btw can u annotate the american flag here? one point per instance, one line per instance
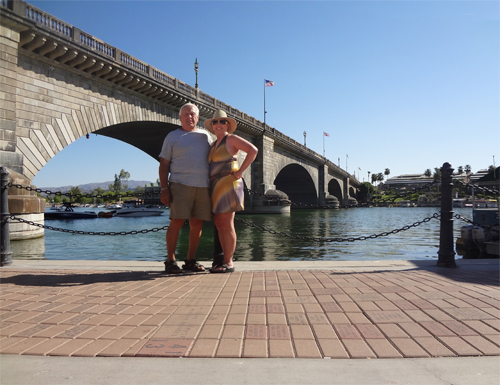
(269, 83)
(326, 134)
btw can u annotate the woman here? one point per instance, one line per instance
(226, 185)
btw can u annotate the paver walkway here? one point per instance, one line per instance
(301, 314)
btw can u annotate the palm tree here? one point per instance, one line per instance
(428, 173)
(468, 169)
(387, 172)
(460, 170)
(369, 172)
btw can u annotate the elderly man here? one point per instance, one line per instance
(184, 156)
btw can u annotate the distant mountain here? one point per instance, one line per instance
(88, 187)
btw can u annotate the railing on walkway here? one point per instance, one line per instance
(446, 253)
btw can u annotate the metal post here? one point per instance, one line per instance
(5, 252)
(446, 253)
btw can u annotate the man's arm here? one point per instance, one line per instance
(164, 170)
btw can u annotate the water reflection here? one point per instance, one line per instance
(254, 244)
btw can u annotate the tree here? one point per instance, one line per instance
(98, 191)
(369, 172)
(491, 168)
(118, 187)
(460, 170)
(468, 169)
(437, 173)
(387, 172)
(428, 173)
(75, 191)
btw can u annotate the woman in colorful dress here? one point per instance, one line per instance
(226, 185)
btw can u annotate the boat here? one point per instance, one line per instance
(139, 211)
(68, 212)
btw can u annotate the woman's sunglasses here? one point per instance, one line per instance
(221, 121)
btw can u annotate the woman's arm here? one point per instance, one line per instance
(234, 144)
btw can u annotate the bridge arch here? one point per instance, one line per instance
(295, 181)
(335, 189)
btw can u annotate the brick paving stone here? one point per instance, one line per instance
(409, 348)
(434, 347)
(45, 347)
(256, 319)
(438, 315)
(338, 318)
(177, 332)
(324, 331)
(414, 330)
(236, 319)
(276, 319)
(256, 332)
(140, 332)
(14, 329)
(294, 308)
(383, 349)
(389, 316)
(23, 345)
(297, 319)
(281, 349)
(93, 348)
(367, 305)
(279, 332)
(96, 332)
(229, 348)
(97, 319)
(312, 308)
(332, 348)
(74, 331)
(358, 349)
(459, 328)
(464, 314)
(369, 331)
(307, 349)
(436, 329)
(494, 323)
(204, 348)
(233, 332)
(118, 348)
(32, 331)
(9, 341)
(483, 345)
(175, 347)
(331, 307)
(481, 327)
(459, 346)
(255, 349)
(347, 331)
(69, 347)
(357, 318)
(215, 319)
(301, 332)
(385, 305)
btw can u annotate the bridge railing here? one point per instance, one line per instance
(68, 32)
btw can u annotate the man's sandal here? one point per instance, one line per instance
(221, 269)
(171, 267)
(193, 266)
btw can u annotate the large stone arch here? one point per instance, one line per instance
(335, 189)
(295, 181)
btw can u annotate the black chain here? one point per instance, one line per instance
(133, 232)
(352, 239)
(475, 186)
(487, 227)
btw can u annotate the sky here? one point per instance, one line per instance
(398, 85)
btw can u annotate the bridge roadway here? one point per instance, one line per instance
(62, 84)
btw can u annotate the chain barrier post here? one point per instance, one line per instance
(446, 253)
(5, 252)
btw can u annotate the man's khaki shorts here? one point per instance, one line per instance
(190, 202)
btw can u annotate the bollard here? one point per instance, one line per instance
(5, 252)
(446, 253)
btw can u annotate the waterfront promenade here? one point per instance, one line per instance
(109, 322)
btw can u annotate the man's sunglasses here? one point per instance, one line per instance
(221, 121)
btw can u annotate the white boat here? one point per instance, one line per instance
(139, 212)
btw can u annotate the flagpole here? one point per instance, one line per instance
(264, 104)
(323, 145)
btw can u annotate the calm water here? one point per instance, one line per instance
(421, 242)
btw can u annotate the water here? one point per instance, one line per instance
(421, 242)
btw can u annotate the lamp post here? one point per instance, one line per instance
(305, 134)
(196, 71)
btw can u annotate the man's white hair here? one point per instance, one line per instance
(190, 105)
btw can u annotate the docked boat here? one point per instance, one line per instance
(68, 212)
(139, 211)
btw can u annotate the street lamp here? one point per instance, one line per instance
(305, 134)
(196, 70)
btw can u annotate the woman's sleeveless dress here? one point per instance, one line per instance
(226, 191)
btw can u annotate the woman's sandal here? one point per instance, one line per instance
(193, 266)
(171, 267)
(225, 269)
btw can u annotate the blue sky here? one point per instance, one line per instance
(403, 85)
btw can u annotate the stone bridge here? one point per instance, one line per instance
(60, 84)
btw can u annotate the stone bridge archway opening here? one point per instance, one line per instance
(335, 189)
(296, 182)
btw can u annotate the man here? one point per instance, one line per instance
(184, 156)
